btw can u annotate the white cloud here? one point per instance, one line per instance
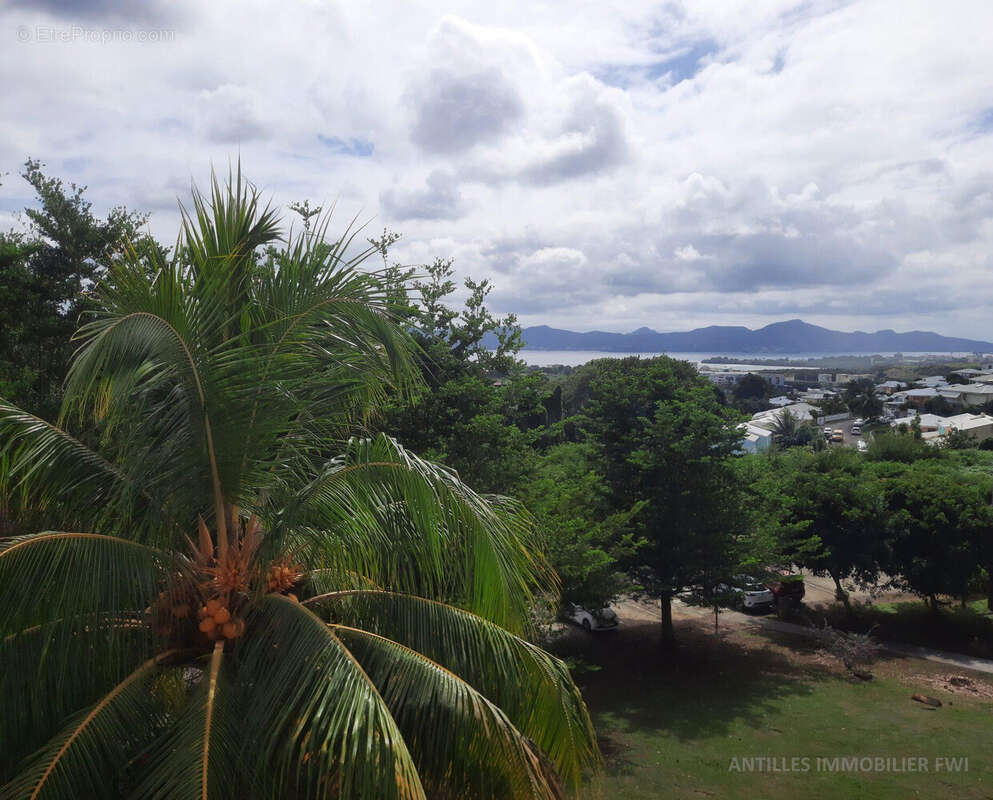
(670, 165)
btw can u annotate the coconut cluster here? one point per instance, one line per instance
(280, 577)
(217, 622)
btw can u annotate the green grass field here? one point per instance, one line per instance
(671, 727)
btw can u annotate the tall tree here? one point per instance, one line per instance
(44, 273)
(663, 442)
(240, 598)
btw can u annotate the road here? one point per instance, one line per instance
(845, 425)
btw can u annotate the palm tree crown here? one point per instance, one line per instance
(236, 595)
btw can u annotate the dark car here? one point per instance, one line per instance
(787, 589)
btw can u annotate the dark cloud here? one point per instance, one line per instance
(454, 110)
(228, 115)
(594, 142)
(439, 199)
(95, 10)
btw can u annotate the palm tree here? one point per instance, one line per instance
(236, 595)
(786, 428)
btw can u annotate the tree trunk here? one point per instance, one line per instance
(668, 634)
(840, 593)
(989, 596)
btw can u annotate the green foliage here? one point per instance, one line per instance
(663, 442)
(208, 431)
(585, 539)
(903, 446)
(44, 275)
(463, 415)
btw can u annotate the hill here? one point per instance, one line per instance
(793, 336)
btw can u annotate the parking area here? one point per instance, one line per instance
(845, 426)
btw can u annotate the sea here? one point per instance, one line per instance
(574, 358)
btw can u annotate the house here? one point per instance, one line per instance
(815, 395)
(968, 395)
(804, 412)
(933, 381)
(928, 422)
(888, 387)
(779, 402)
(916, 397)
(848, 377)
(933, 427)
(978, 426)
(986, 377)
(726, 379)
(825, 378)
(755, 439)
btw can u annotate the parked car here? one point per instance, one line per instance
(787, 589)
(601, 619)
(745, 592)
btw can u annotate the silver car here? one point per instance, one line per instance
(601, 619)
(745, 592)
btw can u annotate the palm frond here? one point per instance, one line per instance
(85, 759)
(55, 476)
(462, 743)
(197, 757)
(54, 669)
(413, 526)
(312, 716)
(59, 575)
(534, 689)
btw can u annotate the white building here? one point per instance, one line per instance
(804, 412)
(756, 439)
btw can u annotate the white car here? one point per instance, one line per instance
(745, 592)
(600, 620)
(862, 445)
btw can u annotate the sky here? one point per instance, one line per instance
(606, 165)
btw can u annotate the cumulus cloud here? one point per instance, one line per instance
(454, 111)
(670, 165)
(439, 199)
(230, 114)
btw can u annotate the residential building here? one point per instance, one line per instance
(968, 395)
(755, 439)
(804, 412)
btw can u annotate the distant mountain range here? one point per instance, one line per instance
(794, 336)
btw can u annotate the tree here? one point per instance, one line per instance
(463, 415)
(938, 405)
(861, 398)
(43, 277)
(938, 522)
(663, 442)
(835, 522)
(789, 431)
(268, 606)
(585, 540)
(753, 386)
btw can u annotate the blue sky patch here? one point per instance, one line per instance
(346, 147)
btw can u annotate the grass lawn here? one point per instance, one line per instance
(670, 727)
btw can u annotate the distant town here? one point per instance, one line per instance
(932, 395)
